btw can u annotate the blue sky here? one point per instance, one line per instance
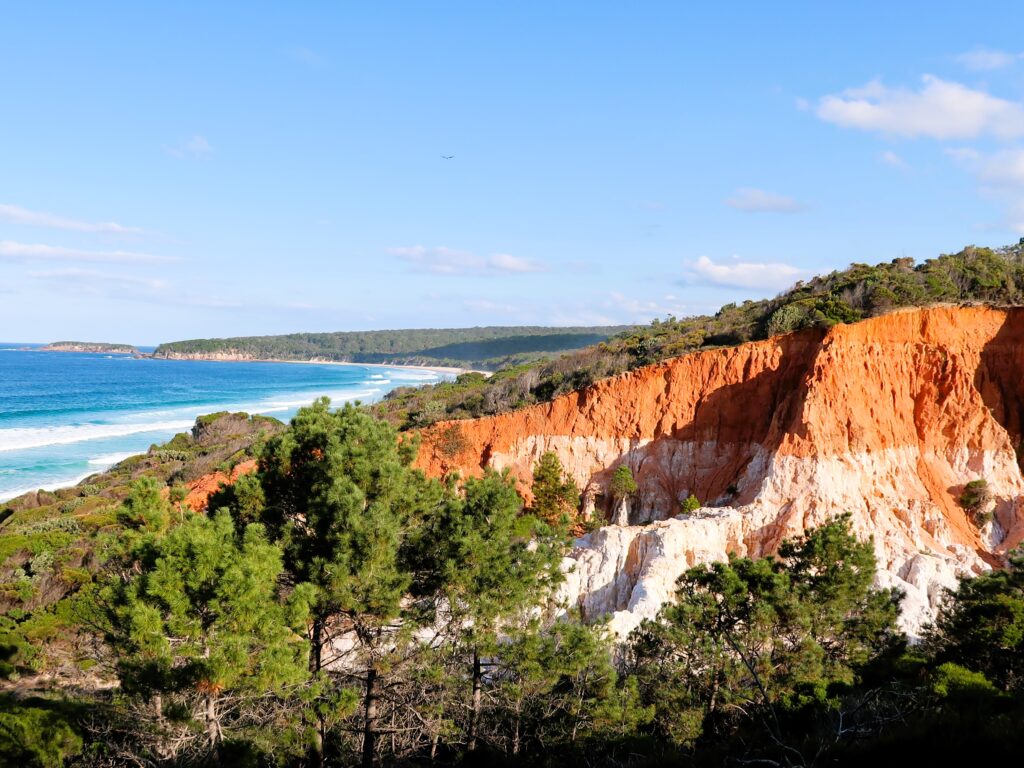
(252, 168)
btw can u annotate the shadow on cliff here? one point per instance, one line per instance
(711, 455)
(731, 427)
(1000, 378)
(1000, 381)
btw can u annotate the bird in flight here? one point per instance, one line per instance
(447, 157)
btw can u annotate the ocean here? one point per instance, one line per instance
(66, 415)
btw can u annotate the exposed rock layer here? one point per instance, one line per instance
(886, 419)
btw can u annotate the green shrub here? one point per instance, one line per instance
(690, 504)
(622, 483)
(37, 733)
(974, 498)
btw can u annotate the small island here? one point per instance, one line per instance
(90, 346)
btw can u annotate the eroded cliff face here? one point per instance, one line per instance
(886, 419)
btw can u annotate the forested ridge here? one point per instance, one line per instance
(970, 276)
(483, 347)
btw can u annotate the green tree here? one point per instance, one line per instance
(556, 498)
(495, 563)
(750, 642)
(343, 499)
(202, 620)
(622, 485)
(556, 687)
(146, 508)
(981, 626)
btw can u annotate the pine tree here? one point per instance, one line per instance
(342, 497)
(749, 641)
(495, 562)
(981, 626)
(556, 498)
(202, 621)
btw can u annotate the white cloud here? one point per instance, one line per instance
(645, 309)
(21, 215)
(441, 260)
(939, 110)
(890, 158)
(743, 274)
(195, 147)
(1004, 169)
(985, 59)
(759, 201)
(1000, 176)
(98, 282)
(487, 307)
(506, 262)
(14, 251)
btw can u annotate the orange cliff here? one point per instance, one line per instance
(199, 491)
(886, 419)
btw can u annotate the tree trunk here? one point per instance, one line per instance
(370, 718)
(515, 733)
(474, 713)
(315, 659)
(213, 733)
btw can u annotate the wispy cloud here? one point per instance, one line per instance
(92, 281)
(1000, 176)
(633, 309)
(986, 59)
(486, 307)
(196, 147)
(741, 274)
(27, 252)
(893, 160)
(753, 200)
(20, 215)
(940, 109)
(441, 260)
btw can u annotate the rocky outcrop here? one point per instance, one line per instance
(90, 346)
(886, 419)
(197, 497)
(225, 356)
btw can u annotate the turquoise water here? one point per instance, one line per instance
(64, 415)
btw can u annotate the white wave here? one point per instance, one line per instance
(13, 493)
(414, 376)
(276, 406)
(23, 438)
(110, 459)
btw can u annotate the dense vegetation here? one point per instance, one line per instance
(974, 275)
(51, 543)
(338, 607)
(488, 348)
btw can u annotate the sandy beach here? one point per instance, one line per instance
(436, 368)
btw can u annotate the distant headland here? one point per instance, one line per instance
(90, 346)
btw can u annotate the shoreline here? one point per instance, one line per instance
(401, 366)
(442, 373)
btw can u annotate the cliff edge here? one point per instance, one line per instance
(887, 419)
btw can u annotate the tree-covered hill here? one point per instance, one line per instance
(484, 347)
(970, 276)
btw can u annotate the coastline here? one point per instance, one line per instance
(429, 375)
(401, 366)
